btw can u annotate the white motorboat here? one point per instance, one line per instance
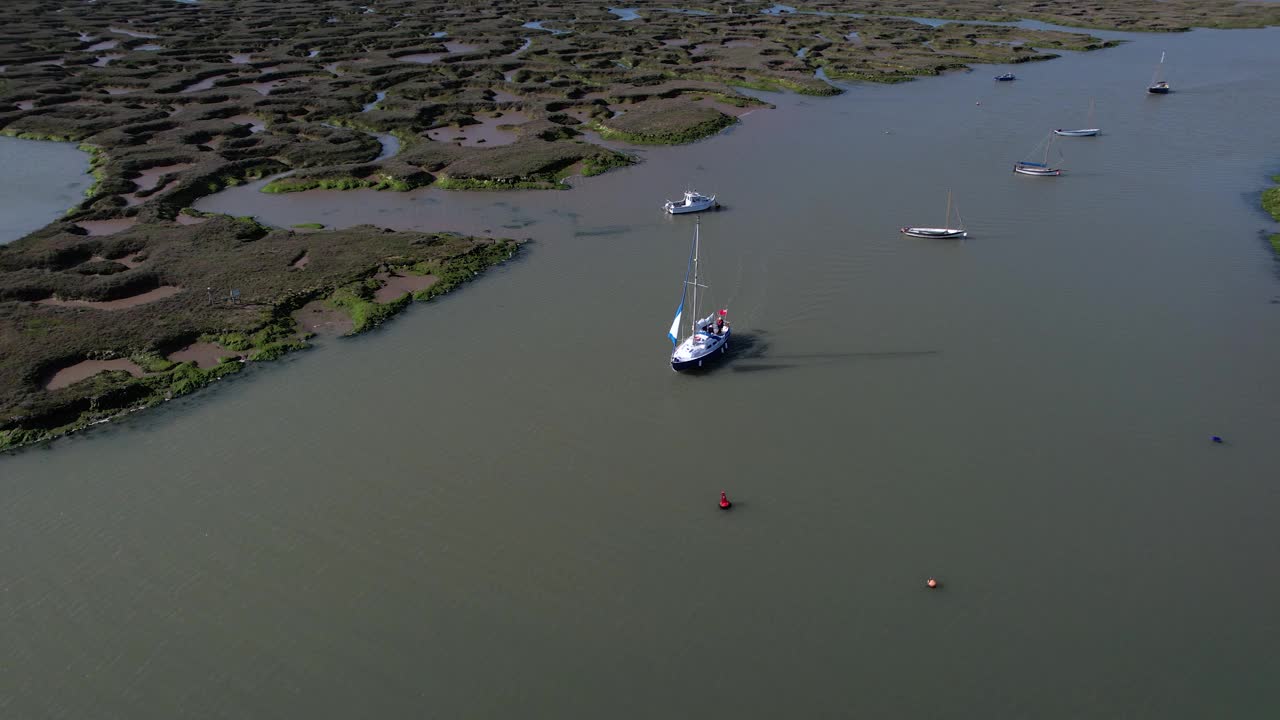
(945, 232)
(708, 336)
(691, 203)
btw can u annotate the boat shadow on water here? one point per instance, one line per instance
(750, 353)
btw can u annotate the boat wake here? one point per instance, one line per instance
(752, 355)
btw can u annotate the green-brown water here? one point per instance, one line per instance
(503, 504)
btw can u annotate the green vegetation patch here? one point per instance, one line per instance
(376, 181)
(667, 122)
(207, 261)
(110, 394)
(528, 164)
(396, 176)
(1271, 200)
(1271, 203)
(356, 299)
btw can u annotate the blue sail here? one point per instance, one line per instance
(674, 333)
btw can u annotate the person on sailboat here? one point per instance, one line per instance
(720, 322)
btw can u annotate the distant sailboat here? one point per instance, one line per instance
(1158, 86)
(1038, 169)
(945, 232)
(708, 336)
(1084, 132)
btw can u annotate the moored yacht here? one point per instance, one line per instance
(1041, 168)
(1158, 86)
(691, 203)
(708, 336)
(1036, 169)
(1087, 131)
(946, 232)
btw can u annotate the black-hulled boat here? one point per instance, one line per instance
(1158, 86)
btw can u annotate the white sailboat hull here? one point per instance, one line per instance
(1036, 171)
(1086, 132)
(923, 232)
(698, 349)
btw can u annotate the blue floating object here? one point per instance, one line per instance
(1217, 439)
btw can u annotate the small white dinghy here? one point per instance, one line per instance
(693, 202)
(1083, 132)
(708, 336)
(944, 232)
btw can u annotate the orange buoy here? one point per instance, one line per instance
(724, 501)
(932, 584)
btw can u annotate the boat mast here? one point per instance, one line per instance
(946, 222)
(1156, 78)
(694, 325)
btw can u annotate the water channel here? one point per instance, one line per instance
(502, 504)
(41, 182)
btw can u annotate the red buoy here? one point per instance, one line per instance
(932, 584)
(724, 501)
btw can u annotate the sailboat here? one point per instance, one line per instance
(1158, 86)
(1038, 169)
(946, 231)
(708, 336)
(1084, 132)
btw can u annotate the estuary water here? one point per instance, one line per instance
(41, 181)
(503, 504)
